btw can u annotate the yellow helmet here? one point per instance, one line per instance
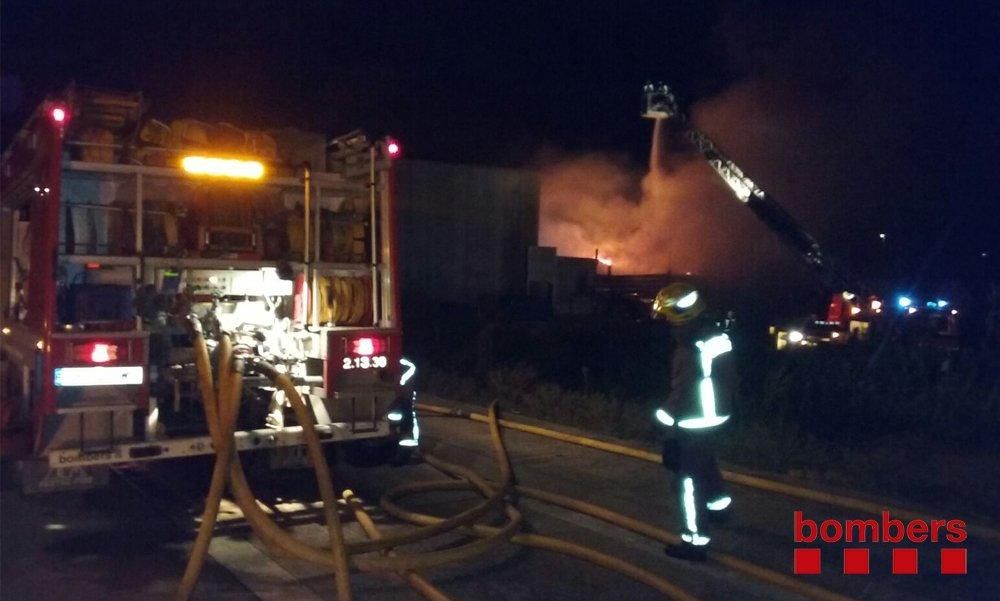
(678, 302)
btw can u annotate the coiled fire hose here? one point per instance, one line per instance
(471, 480)
(772, 577)
(415, 580)
(221, 408)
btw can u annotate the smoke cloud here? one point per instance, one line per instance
(857, 126)
(676, 216)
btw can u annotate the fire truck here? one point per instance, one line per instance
(116, 227)
(847, 312)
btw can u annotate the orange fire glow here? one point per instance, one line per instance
(678, 217)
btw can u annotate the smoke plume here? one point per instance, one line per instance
(857, 126)
(676, 216)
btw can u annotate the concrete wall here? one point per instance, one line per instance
(465, 230)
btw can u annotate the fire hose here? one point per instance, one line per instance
(221, 405)
(734, 563)
(748, 480)
(415, 580)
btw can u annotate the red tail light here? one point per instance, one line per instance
(58, 114)
(96, 352)
(393, 148)
(366, 347)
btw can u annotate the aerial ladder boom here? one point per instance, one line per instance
(660, 103)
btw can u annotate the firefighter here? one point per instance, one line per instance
(700, 387)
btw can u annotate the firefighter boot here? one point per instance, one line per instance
(687, 551)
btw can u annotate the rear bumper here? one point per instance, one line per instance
(248, 440)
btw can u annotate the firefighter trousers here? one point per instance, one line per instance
(697, 481)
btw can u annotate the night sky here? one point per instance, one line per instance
(874, 116)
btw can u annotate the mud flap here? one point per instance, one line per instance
(36, 476)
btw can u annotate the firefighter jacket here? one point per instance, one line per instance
(702, 384)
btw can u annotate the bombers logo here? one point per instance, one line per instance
(905, 560)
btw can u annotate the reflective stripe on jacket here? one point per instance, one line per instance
(701, 386)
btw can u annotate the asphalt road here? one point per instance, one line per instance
(130, 541)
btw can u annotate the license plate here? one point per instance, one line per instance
(99, 376)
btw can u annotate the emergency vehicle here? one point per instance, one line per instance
(847, 313)
(114, 227)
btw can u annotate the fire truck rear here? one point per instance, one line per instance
(115, 227)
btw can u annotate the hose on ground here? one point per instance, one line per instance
(758, 572)
(415, 580)
(221, 408)
(275, 537)
(748, 480)
(663, 536)
(471, 480)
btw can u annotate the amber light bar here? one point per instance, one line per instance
(216, 167)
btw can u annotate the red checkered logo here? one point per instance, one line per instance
(857, 560)
(807, 561)
(905, 561)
